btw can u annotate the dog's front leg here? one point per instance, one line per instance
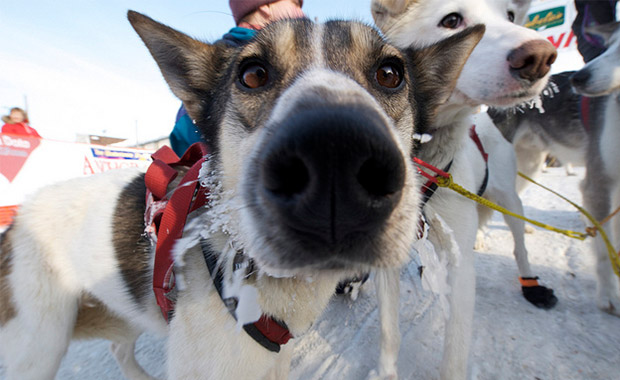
(456, 239)
(282, 366)
(204, 342)
(387, 283)
(597, 199)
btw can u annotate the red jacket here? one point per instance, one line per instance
(20, 129)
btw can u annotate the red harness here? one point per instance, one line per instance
(165, 218)
(430, 186)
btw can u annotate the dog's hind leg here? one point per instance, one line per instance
(597, 200)
(456, 244)
(34, 342)
(387, 284)
(95, 320)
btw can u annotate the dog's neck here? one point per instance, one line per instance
(453, 115)
(448, 132)
(297, 301)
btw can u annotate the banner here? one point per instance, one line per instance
(553, 19)
(29, 163)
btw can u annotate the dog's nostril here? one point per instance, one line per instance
(532, 60)
(552, 58)
(286, 176)
(379, 179)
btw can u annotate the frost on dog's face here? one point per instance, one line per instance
(310, 128)
(498, 72)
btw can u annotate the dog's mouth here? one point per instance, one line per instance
(514, 98)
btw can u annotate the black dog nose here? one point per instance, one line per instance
(331, 173)
(580, 78)
(532, 60)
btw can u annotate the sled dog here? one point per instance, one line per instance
(509, 66)
(579, 127)
(308, 179)
(601, 186)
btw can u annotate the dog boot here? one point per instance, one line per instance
(538, 295)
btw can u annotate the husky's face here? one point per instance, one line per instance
(310, 128)
(511, 63)
(601, 76)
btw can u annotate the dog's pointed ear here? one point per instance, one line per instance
(437, 68)
(188, 66)
(604, 31)
(381, 10)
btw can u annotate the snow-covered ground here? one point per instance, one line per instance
(511, 339)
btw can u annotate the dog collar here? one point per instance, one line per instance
(267, 331)
(165, 219)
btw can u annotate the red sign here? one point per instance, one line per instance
(14, 151)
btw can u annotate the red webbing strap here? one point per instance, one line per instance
(188, 196)
(158, 177)
(474, 136)
(430, 177)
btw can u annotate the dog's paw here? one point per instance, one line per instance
(529, 229)
(374, 375)
(540, 296)
(609, 305)
(481, 243)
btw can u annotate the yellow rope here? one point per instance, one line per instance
(614, 258)
(447, 182)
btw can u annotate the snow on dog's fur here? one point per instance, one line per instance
(310, 133)
(509, 66)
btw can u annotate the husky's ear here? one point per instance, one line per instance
(383, 10)
(604, 31)
(190, 67)
(437, 68)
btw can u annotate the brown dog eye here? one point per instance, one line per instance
(254, 76)
(452, 21)
(388, 75)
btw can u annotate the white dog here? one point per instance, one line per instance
(509, 66)
(309, 179)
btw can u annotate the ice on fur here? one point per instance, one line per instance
(309, 129)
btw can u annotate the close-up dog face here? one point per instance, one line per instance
(511, 63)
(601, 76)
(310, 130)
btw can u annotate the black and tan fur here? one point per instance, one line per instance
(95, 266)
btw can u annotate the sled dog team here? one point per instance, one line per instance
(305, 179)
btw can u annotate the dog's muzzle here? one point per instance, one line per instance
(331, 176)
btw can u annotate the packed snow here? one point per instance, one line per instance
(511, 339)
